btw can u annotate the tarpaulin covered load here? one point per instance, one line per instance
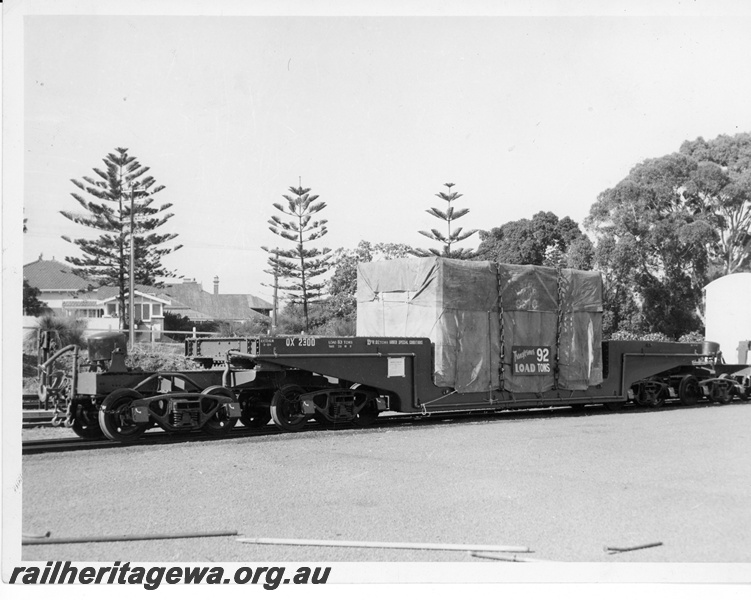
(550, 318)
(452, 302)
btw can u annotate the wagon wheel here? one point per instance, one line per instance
(367, 415)
(115, 417)
(286, 409)
(744, 389)
(254, 415)
(86, 424)
(324, 421)
(220, 423)
(651, 394)
(722, 391)
(689, 390)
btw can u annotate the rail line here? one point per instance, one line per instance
(159, 438)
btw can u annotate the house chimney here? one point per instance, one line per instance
(216, 284)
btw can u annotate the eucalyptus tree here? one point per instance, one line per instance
(719, 188)
(542, 240)
(668, 228)
(652, 248)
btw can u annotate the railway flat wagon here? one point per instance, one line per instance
(433, 335)
(445, 335)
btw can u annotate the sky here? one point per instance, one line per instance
(373, 113)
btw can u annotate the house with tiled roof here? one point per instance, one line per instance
(69, 295)
(150, 304)
(189, 299)
(56, 282)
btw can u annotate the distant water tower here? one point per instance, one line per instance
(728, 314)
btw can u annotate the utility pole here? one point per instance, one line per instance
(131, 294)
(276, 292)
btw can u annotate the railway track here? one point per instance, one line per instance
(162, 438)
(158, 437)
(37, 418)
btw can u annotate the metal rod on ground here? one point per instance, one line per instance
(125, 538)
(36, 535)
(505, 558)
(399, 545)
(614, 550)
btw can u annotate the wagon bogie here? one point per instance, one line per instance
(691, 384)
(338, 406)
(214, 410)
(719, 390)
(651, 393)
(125, 414)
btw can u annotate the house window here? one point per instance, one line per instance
(142, 312)
(111, 310)
(156, 310)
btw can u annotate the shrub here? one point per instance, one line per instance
(338, 326)
(257, 326)
(69, 331)
(632, 336)
(694, 336)
(158, 358)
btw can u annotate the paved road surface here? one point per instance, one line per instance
(564, 485)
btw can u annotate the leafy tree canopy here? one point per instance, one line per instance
(719, 188)
(542, 240)
(670, 226)
(177, 322)
(32, 305)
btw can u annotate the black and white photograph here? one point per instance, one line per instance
(353, 297)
